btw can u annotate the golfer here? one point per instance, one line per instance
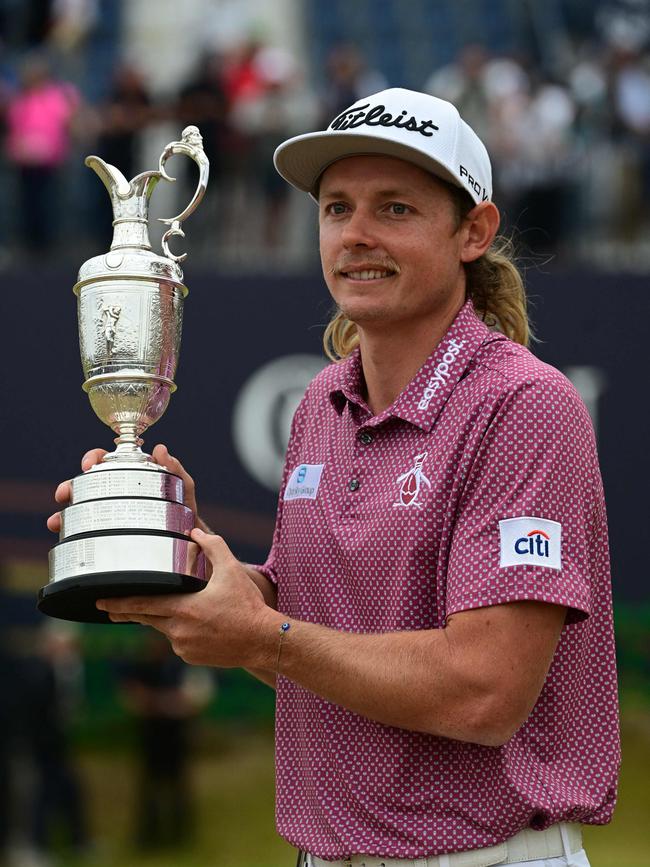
(435, 611)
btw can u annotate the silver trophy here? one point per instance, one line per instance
(126, 529)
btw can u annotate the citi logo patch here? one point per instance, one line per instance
(304, 482)
(531, 541)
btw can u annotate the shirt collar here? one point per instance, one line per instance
(423, 398)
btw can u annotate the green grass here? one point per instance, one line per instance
(233, 784)
(625, 842)
(233, 794)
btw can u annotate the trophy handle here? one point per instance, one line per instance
(191, 144)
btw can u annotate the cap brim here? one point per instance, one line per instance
(303, 159)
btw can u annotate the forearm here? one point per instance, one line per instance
(412, 680)
(477, 679)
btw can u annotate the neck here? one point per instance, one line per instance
(392, 356)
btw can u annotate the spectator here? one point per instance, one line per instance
(125, 114)
(536, 161)
(528, 124)
(464, 84)
(630, 95)
(203, 102)
(56, 695)
(348, 79)
(164, 696)
(43, 796)
(280, 107)
(39, 118)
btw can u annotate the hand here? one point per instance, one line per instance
(160, 456)
(64, 490)
(228, 624)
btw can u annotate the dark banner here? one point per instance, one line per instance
(250, 345)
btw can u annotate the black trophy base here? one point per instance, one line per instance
(75, 598)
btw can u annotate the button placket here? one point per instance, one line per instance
(365, 444)
(363, 439)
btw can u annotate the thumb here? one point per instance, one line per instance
(215, 549)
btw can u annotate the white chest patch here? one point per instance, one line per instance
(531, 541)
(303, 482)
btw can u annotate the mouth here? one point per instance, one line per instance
(367, 274)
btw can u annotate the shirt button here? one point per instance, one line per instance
(353, 484)
(366, 437)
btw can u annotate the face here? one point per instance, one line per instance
(390, 243)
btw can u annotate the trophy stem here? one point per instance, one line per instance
(128, 449)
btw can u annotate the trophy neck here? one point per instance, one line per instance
(130, 224)
(129, 233)
(128, 449)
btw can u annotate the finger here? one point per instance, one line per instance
(141, 606)
(54, 522)
(91, 458)
(214, 548)
(162, 456)
(158, 623)
(63, 492)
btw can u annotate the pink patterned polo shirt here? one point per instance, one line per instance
(478, 486)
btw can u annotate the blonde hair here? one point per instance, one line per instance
(493, 283)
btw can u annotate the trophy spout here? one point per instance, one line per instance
(130, 203)
(111, 177)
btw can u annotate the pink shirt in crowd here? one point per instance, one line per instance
(38, 123)
(478, 486)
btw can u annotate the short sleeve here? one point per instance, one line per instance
(525, 521)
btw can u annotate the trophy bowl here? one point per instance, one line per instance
(126, 530)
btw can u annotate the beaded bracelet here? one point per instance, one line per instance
(286, 626)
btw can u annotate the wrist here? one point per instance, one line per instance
(267, 640)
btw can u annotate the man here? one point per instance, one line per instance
(435, 610)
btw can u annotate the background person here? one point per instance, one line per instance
(39, 118)
(165, 697)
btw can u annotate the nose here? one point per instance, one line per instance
(358, 231)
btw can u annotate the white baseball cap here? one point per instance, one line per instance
(406, 124)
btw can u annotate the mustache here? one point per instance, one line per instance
(383, 264)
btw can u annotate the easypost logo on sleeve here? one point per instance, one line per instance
(531, 541)
(303, 482)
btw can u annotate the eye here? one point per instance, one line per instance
(398, 208)
(336, 208)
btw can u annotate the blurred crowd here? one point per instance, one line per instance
(570, 146)
(46, 812)
(571, 151)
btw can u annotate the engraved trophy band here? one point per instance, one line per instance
(126, 530)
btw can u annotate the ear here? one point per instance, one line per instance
(478, 229)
